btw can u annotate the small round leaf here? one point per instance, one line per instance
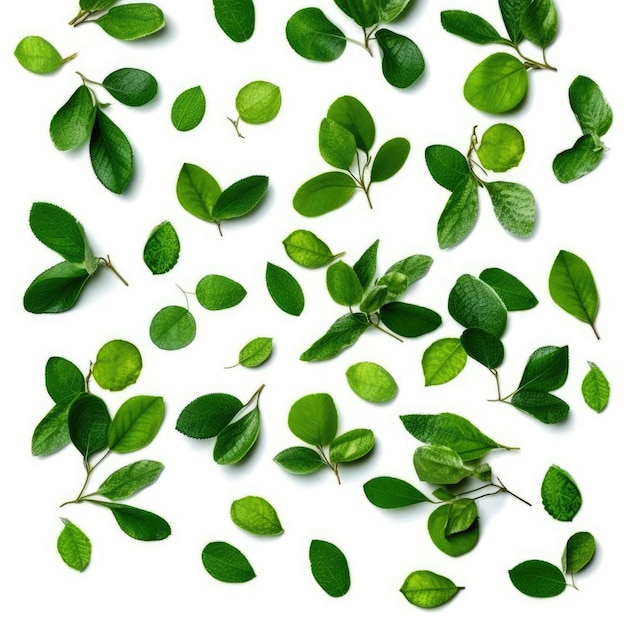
(118, 365)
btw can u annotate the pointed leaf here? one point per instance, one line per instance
(241, 197)
(216, 292)
(336, 144)
(537, 578)
(74, 546)
(512, 11)
(581, 159)
(542, 405)
(443, 361)
(579, 551)
(365, 267)
(284, 289)
(118, 365)
(52, 433)
(307, 250)
(188, 109)
(299, 460)
(161, 252)
(172, 328)
(71, 125)
(459, 214)
(540, 22)
(313, 419)
(402, 61)
(514, 206)
(513, 293)
(390, 159)
(350, 113)
(226, 563)
(391, 492)
(88, 422)
(236, 18)
(455, 544)
(56, 289)
(256, 515)
(132, 87)
(343, 284)
(483, 347)
(593, 113)
(255, 352)
(235, 441)
(312, 35)
(64, 381)
(437, 464)
(409, 320)
(132, 21)
(329, 567)
(323, 194)
(596, 389)
(469, 26)
(426, 589)
(351, 446)
(461, 516)
(342, 334)
(197, 191)
(371, 382)
(559, 494)
(413, 267)
(136, 423)
(546, 369)
(208, 415)
(137, 523)
(130, 479)
(447, 166)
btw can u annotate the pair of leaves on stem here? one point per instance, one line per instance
(594, 116)
(58, 288)
(314, 420)
(200, 194)
(126, 22)
(39, 55)
(377, 300)
(224, 417)
(542, 579)
(313, 36)
(346, 138)
(501, 148)
(500, 82)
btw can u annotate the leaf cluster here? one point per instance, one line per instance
(126, 22)
(499, 83)
(346, 138)
(313, 36)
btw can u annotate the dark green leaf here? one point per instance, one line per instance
(241, 197)
(483, 347)
(365, 267)
(52, 433)
(342, 334)
(312, 35)
(118, 365)
(336, 144)
(299, 460)
(226, 563)
(579, 551)
(402, 61)
(390, 159)
(130, 479)
(284, 289)
(74, 546)
(313, 419)
(539, 23)
(197, 191)
(235, 441)
(542, 405)
(391, 492)
(216, 292)
(88, 421)
(38, 55)
(371, 382)
(581, 159)
(64, 381)
(501, 148)
(389, 10)
(363, 12)
(133, 87)
(443, 494)
(512, 11)
(137, 523)
(537, 578)
(343, 284)
(136, 423)
(443, 360)
(513, 293)
(255, 352)
(447, 166)
(161, 252)
(470, 26)
(96, 5)
(426, 589)
(307, 250)
(172, 328)
(409, 320)
(323, 193)
(236, 18)
(559, 494)
(351, 446)
(456, 544)
(208, 415)
(593, 113)
(132, 21)
(349, 112)
(514, 206)
(546, 369)
(437, 464)
(459, 214)
(188, 109)
(596, 389)
(258, 102)
(256, 515)
(71, 125)
(329, 567)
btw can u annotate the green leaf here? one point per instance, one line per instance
(374, 299)
(132, 87)
(483, 347)
(336, 144)
(188, 109)
(559, 494)
(130, 479)
(351, 446)
(470, 26)
(459, 214)
(497, 84)
(426, 589)
(71, 125)
(216, 292)
(235, 441)
(596, 389)
(172, 328)
(514, 206)
(64, 381)
(88, 422)
(96, 5)
(365, 267)
(162, 250)
(581, 159)
(542, 405)
(389, 10)
(474, 304)
(118, 365)
(350, 113)
(501, 148)
(456, 544)
(343, 284)
(342, 334)
(208, 415)
(537, 578)
(443, 494)
(329, 567)
(390, 493)
(241, 197)
(461, 516)
(74, 546)
(197, 191)
(307, 250)
(226, 563)
(573, 288)
(284, 289)
(236, 18)
(363, 12)
(512, 11)
(323, 193)
(313, 419)
(409, 320)
(136, 423)
(390, 159)
(539, 23)
(52, 433)
(137, 523)
(395, 283)
(62, 233)
(111, 154)
(579, 551)
(312, 35)
(453, 431)
(546, 369)
(56, 289)
(38, 55)
(258, 102)
(443, 361)
(299, 460)
(402, 61)
(371, 382)
(513, 293)
(255, 352)
(593, 113)
(437, 464)
(447, 166)
(132, 21)
(256, 515)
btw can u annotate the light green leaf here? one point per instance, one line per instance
(573, 288)
(236, 18)
(236, 440)
(255, 352)
(542, 405)
(579, 551)
(130, 479)
(336, 144)
(514, 206)
(313, 419)
(461, 516)
(132, 87)
(241, 197)
(88, 422)
(118, 365)
(71, 125)
(38, 55)
(299, 460)
(459, 214)
(483, 347)
(497, 84)
(437, 464)
(470, 26)
(258, 102)
(581, 159)
(188, 109)
(390, 492)
(350, 113)
(426, 589)
(226, 563)
(343, 284)
(537, 578)
(371, 382)
(402, 61)
(208, 415)
(365, 267)
(342, 334)
(312, 35)
(501, 148)
(447, 166)
(409, 320)
(539, 23)
(172, 328)
(390, 159)
(374, 299)
(216, 292)
(197, 191)
(596, 389)
(161, 252)
(351, 446)
(396, 284)
(329, 567)
(56, 289)
(132, 21)
(307, 250)
(137, 523)
(323, 193)
(256, 515)
(559, 494)
(455, 544)
(284, 289)
(136, 423)
(593, 113)
(443, 361)
(52, 433)
(513, 293)
(74, 546)
(546, 369)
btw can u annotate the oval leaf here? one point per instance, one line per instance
(216, 292)
(559, 494)
(329, 567)
(208, 415)
(74, 546)
(437, 464)
(88, 422)
(284, 289)
(130, 479)
(447, 166)
(426, 589)
(592, 111)
(235, 441)
(342, 334)
(581, 159)
(596, 389)
(579, 551)
(299, 460)
(537, 578)
(118, 365)
(371, 382)
(469, 26)
(197, 191)
(258, 102)
(443, 361)
(255, 352)
(241, 197)
(52, 433)
(312, 35)
(137, 523)
(513, 293)
(546, 369)
(409, 320)
(226, 563)
(391, 492)
(459, 214)
(350, 113)
(307, 250)
(136, 423)
(64, 381)
(336, 144)
(313, 419)
(188, 109)
(71, 125)
(343, 284)
(390, 159)
(323, 194)
(456, 544)
(161, 252)
(483, 347)
(236, 18)
(542, 405)
(540, 22)
(256, 515)
(402, 61)
(56, 289)
(133, 87)
(172, 328)
(501, 148)
(132, 21)
(514, 206)
(351, 446)
(38, 55)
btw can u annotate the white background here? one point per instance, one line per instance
(162, 580)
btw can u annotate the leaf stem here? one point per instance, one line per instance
(533, 64)
(89, 470)
(70, 57)
(332, 465)
(88, 376)
(595, 332)
(495, 374)
(82, 14)
(235, 123)
(471, 163)
(505, 489)
(184, 294)
(219, 227)
(107, 262)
